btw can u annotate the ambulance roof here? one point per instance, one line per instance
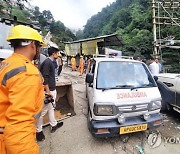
(115, 58)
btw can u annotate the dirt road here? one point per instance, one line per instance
(74, 137)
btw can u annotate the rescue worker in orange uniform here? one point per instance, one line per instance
(81, 65)
(21, 93)
(73, 63)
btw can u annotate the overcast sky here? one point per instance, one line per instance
(73, 13)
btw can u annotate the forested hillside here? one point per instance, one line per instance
(24, 12)
(132, 20)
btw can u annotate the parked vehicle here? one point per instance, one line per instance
(169, 86)
(123, 97)
(5, 53)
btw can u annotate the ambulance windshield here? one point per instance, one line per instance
(118, 75)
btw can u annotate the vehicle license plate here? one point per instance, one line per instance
(134, 128)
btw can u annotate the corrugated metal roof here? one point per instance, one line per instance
(109, 40)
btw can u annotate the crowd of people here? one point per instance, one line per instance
(83, 63)
(27, 92)
(154, 65)
(21, 92)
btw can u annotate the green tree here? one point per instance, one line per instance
(22, 15)
(132, 21)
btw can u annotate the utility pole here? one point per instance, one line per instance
(154, 28)
(168, 19)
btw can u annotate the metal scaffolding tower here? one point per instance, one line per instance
(165, 12)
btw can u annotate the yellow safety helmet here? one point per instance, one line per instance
(25, 33)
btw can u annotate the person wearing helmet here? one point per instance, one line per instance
(73, 63)
(60, 63)
(81, 65)
(21, 93)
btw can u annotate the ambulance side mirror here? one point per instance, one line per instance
(155, 78)
(89, 78)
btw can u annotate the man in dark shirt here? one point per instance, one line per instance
(47, 69)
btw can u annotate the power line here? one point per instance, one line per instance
(171, 17)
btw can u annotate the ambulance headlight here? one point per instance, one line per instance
(155, 105)
(104, 110)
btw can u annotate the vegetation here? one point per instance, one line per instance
(45, 20)
(60, 33)
(132, 21)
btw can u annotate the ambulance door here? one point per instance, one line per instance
(91, 87)
(178, 91)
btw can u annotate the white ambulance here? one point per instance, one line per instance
(123, 97)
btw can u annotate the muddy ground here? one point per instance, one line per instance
(74, 137)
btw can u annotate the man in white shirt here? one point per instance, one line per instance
(154, 67)
(160, 65)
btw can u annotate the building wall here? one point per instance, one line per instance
(73, 49)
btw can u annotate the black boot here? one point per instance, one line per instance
(40, 136)
(59, 124)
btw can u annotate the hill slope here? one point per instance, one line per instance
(44, 19)
(132, 20)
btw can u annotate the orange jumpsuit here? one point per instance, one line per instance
(21, 97)
(81, 66)
(73, 63)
